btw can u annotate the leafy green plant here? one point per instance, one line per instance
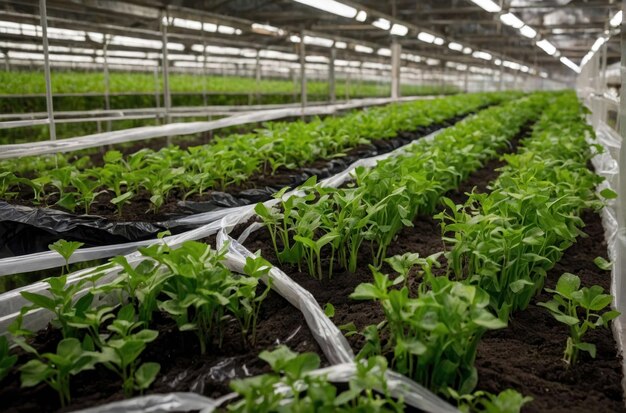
(507, 401)
(337, 223)
(60, 300)
(56, 369)
(568, 301)
(507, 240)
(6, 359)
(65, 250)
(121, 352)
(309, 392)
(198, 291)
(433, 337)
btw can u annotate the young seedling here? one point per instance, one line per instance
(55, 369)
(65, 249)
(302, 390)
(568, 302)
(121, 351)
(6, 359)
(507, 401)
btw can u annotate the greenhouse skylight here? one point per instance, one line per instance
(547, 47)
(512, 20)
(487, 5)
(331, 6)
(399, 30)
(616, 20)
(381, 23)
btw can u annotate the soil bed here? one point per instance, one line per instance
(526, 356)
(183, 368)
(257, 188)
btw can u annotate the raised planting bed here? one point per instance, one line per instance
(130, 197)
(528, 355)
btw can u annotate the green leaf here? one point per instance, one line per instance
(567, 284)
(329, 310)
(122, 199)
(603, 264)
(145, 375)
(517, 286)
(39, 300)
(588, 347)
(608, 193)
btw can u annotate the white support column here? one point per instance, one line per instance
(466, 81)
(167, 97)
(204, 71)
(107, 85)
(501, 82)
(620, 265)
(303, 92)
(257, 76)
(46, 62)
(331, 76)
(396, 50)
(157, 91)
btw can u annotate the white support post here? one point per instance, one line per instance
(257, 76)
(303, 92)
(204, 71)
(620, 265)
(107, 85)
(157, 91)
(167, 97)
(501, 82)
(331, 76)
(396, 50)
(466, 81)
(46, 62)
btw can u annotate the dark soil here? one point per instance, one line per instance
(527, 356)
(424, 238)
(183, 368)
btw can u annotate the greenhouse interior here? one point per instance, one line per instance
(312, 206)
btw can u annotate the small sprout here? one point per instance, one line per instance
(329, 310)
(607, 193)
(603, 264)
(6, 359)
(567, 299)
(65, 249)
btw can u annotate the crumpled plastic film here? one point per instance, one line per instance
(328, 336)
(157, 403)
(399, 385)
(30, 230)
(50, 259)
(606, 165)
(183, 128)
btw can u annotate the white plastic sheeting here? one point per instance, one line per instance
(398, 385)
(607, 166)
(178, 129)
(207, 223)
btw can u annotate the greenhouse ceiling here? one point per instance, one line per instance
(535, 37)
